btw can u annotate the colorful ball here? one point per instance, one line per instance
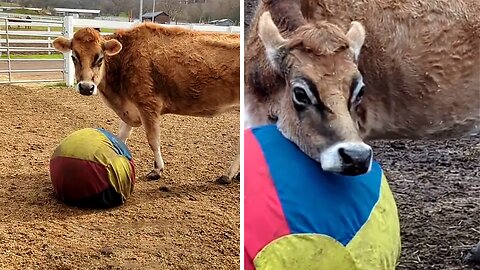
(298, 216)
(92, 168)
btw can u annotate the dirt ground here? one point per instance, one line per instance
(184, 221)
(437, 189)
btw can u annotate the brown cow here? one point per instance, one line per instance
(417, 62)
(152, 70)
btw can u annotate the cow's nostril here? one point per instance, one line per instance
(347, 159)
(86, 87)
(355, 157)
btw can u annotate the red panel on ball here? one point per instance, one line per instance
(75, 179)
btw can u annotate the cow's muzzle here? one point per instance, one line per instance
(347, 158)
(87, 88)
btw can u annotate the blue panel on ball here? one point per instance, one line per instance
(120, 147)
(315, 201)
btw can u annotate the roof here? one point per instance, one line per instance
(77, 10)
(27, 8)
(155, 14)
(220, 21)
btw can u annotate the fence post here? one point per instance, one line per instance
(49, 41)
(69, 69)
(9, 62)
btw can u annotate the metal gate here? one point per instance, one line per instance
(22, 42)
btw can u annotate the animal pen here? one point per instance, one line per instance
(184, 221)
(30, 41)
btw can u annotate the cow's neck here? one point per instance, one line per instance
(111, 83)
(110, 86)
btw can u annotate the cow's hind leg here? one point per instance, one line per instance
(232, 171)
(152, 129)
(124, 131)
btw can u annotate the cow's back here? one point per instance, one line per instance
(192, 72)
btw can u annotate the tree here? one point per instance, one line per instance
(223, 9)
(171, 7)
(194, 13)
(122, 6)
(213, 9)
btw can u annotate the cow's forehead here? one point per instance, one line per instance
(87, 35)
(336, 66)
(86, 40)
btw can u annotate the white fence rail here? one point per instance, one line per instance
(28, 40)
(13, 40)
(32, 16)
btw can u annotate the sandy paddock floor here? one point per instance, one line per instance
(183, 221)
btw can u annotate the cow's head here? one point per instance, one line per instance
(89, 50)
(323, 88)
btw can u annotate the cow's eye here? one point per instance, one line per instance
(300, 96)
(359, 96)
(75, 60)
(99, 62)
(356, 92)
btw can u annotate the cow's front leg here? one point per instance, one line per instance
(232, 172)
(152, 129)
(124, 131)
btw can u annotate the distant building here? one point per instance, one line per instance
(159, 17)
(38, 10)
(81, 13)
(222, 22)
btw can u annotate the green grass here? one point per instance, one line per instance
(32, 28)
(57, 85)
(3, 4)
(53, 29)
(32, 56)
(103, 30)
(25, 11)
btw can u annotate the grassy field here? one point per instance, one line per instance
(3, 4)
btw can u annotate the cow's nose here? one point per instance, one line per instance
(356, 160)
(86, 88)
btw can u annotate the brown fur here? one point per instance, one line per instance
(162, 70)
(320, 38)
(420, 63)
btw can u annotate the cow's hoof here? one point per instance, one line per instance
(153, 175)
(473, 257)
(224, 180)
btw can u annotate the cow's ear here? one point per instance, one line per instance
(62, 44)
(356, 37)
(271, 39)
(112, 47)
